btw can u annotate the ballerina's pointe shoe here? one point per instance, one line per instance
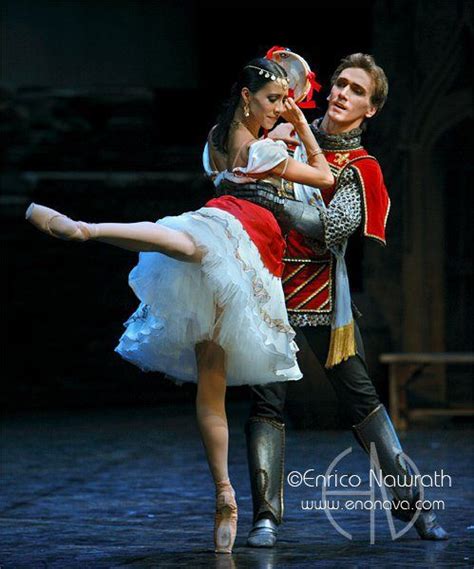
(225, 528)
(58, 225)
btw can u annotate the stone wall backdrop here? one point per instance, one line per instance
(104, 108)
(424, 141)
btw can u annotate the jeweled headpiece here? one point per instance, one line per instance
(269, 75)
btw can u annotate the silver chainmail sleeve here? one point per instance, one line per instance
(344, 213)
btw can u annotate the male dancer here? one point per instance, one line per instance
(317, 297)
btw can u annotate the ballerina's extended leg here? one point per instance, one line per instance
(212, 421)
(143, 236)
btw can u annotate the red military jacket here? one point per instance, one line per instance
(308, 277)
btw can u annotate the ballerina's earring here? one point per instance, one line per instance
(246, 109)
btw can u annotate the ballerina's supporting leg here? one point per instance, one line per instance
(143, 236)
(212, 421)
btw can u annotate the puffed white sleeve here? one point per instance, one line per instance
(264, 155)
(206, 162)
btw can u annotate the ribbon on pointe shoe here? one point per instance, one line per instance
(225, 528)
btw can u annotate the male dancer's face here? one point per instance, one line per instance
(349, 101)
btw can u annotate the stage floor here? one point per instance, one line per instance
(130, 488)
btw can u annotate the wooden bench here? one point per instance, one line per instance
(404, 368)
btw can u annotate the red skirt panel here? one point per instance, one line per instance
(260, 225)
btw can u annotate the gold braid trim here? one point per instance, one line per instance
(342, 345)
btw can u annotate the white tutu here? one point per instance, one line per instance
(179, 307)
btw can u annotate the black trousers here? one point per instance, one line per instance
(350, 380)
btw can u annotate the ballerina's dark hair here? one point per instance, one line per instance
(252, 79)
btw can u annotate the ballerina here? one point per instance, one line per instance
(212, 309)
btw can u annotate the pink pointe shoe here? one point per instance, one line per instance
(225, 528)
(58, 225)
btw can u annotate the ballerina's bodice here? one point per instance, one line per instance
(259, 223)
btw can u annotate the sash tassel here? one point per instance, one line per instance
(342, 345)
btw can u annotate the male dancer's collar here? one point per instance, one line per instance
(350, 140)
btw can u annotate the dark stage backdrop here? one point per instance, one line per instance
(104, 109)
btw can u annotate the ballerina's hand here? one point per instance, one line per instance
(293, 113)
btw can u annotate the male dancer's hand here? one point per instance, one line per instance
(285, 132)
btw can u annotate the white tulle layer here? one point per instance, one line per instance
(179, 307)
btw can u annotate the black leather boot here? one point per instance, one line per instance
(377, 428)
(265, 454)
